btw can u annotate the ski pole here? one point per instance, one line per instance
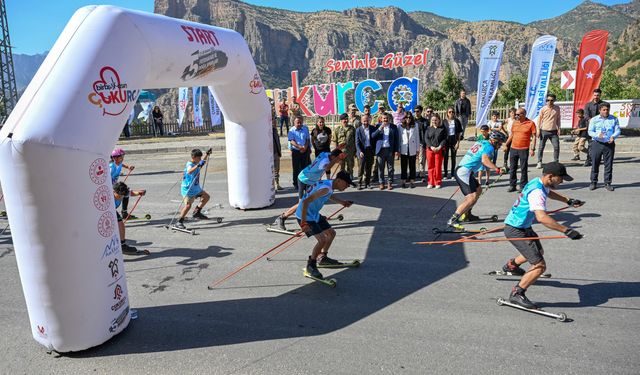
(446, 202)
(204, 179)
(127, 176)
(494, 229)
(132, 209)
(228, 276)
(491, 184)
(497, 239)
(300, 236)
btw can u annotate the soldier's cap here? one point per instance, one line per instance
(344, 116)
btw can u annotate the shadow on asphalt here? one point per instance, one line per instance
(393, 269)
(595, 294)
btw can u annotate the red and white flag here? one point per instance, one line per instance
(589, 71)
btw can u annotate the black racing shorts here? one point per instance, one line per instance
(530, 249)
(317, 227)
(118, 216)
(467, 188)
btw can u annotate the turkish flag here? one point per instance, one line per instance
(589, 71)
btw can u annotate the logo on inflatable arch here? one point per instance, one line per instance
(98, 171)
(113, 267)
(102, 198)
(106, 224)
(112, 247)
(199, 35)
(117, 322)
(204, 62)
(255, 85)
(110, 94)
(41, 331)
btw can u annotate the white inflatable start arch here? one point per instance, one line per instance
(54, 150)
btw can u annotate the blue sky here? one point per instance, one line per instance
(34, 25)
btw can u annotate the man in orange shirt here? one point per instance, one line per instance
(523, 131)
(549, 128)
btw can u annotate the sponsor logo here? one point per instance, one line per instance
(205, 62)
(98, 171)
(113, 267)
(255, 85)
(112, 247)
(117, 322)
(102, 198)
(110, 94)
(493, 49)
(106, 224)
(41, 331)
(202, 36)
(117, 292)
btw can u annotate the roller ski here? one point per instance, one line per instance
(561, 316)
(130, 250)
(339, 218)
(471, 218)
(509, 273)
(326, 262)
(278, 227)
(198, 215)
(180, 227)
(459, 231)
(311, 272)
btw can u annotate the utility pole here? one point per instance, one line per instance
(7, 76)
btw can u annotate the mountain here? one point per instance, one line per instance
(25, 67)
(589, 16)
(624, 54)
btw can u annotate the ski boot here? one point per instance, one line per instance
(454, 222)
(469, 217)
(324, 260)
(312, 269)
(125, 216)
(512, 268)
(279, 222)
(179, 225)
(129, 250)
(197, 214)
(519, 298)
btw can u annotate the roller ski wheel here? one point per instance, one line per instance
(218, 220)
(332, 283)
(145, 217)
(352, 264)
(562, 317)
(339, 218)
(3, 213)
(183, 230)
(502, 273)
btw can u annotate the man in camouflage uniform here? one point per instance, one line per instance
(344, 136)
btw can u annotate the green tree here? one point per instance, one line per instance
(446, 93)
(514, 89)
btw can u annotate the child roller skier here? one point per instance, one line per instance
(314, 224)
(191, 187)
(115, 166)
(309, 176)
(478, 155)
(532, 203)
(120, 192)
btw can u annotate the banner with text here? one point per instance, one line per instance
(197, 106)
(540, 64)
(183, 99)
(488, 78)
(214, 110)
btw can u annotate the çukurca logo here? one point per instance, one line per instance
(110, 93)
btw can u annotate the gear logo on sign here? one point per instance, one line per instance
(106, 224)
(102, 198)
(98, 171)
(402, 94)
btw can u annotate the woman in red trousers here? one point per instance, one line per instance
(436, 137)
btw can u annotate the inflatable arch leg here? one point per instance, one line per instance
(54, 151)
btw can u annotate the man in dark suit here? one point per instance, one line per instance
(387, 149)
(462, 109)
(365, 144)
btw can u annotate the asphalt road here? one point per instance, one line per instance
(407, 310)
